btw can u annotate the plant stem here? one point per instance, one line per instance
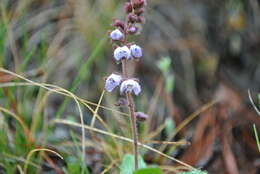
(134, 126)
(131, 107)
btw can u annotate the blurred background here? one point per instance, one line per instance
(200, 59)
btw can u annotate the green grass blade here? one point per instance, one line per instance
(256, 137)
(83, 73)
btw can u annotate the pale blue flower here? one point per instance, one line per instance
(131, 86)
(116, 35)
(112, 82)
(122, 52)
(136, 51)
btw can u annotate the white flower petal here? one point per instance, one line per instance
(116, 35)
(131, 86)
(112, 82)
(136, 51)
(122, 52)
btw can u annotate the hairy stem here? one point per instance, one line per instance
(132, 116)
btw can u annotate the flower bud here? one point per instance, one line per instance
(140, 116)
(112, 82)
(141, 19)
(132, 29)
(122, 52)
(132, 18)
(128, 7)
(121, 102)
(136, 51)
(131, 86)
(116, 35)
(119, 24)
(140, 11)
(138, 3)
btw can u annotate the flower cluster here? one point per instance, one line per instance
(124, 50)
(134, 51)
(129, 85)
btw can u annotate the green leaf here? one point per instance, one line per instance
(169, 127)
(164, 64)
(169, 83)
(149, 171)
(256, 137)
(194, 172)
(127, 166)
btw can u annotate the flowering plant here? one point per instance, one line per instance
(123, 53)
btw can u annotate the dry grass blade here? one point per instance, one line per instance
(57, 91)
(37, 150)
(47, 87)
(20, 159)
(25, 128)
(96, 110)
(122, 138)
(108, 168)
(177, 143)
(188, 120)
(69, 94)
(20, 169)
(252, 102)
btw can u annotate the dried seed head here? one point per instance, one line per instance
(116, 35)
(122, 52)
(112, 82)
(136, 51)
(140, 116)
(131, 86)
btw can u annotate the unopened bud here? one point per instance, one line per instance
(132, 29)
(128, 7)
(140, 116)
(140, 11)
(138, 3)
(141, 19)
(132, 18)
(121, 102)
(119, 24)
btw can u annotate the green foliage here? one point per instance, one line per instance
(149, 171)
(169, 126)
(127, 165)
(169, 83)
(83, 73)
(74, 165)
(256, 137)
(194, 172)
(164, 65)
